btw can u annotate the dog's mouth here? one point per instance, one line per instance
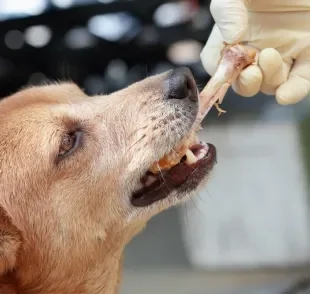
(182, 169)
(189, 162)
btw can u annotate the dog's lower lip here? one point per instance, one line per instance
(172, 179)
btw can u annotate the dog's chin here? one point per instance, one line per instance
(178, 181)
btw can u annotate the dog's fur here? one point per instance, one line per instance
(64, 223)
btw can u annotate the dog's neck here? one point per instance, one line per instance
(91, 272)
(95, 270)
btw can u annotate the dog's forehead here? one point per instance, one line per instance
(48, 94)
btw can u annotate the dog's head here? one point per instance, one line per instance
(75, 168)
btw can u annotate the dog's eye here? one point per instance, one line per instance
(69, 143)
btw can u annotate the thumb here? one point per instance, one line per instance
(231, 16)
(297, 87)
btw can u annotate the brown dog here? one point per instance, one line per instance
(74, 177)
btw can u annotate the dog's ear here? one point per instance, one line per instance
(10, 242)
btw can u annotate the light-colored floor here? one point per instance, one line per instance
(156, 263)
(182, 281)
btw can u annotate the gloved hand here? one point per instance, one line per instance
(279, 30)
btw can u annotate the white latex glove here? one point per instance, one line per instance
(279, 30)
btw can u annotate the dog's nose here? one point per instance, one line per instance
(180, 84)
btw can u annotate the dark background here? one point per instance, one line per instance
(74, 52)
(104, 46)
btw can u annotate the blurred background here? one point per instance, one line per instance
(248, 231)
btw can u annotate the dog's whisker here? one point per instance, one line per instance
(174, 151)
(137, 130)
(143, 136)
(208, 193)
(201, 213)
(162, 176)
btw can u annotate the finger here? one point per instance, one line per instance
(274, 70)
(249, 81)
(297, 87)
(211, 53)
(231, 16)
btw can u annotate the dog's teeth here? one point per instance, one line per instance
(150, 180)
(190, 157)
(202, 153)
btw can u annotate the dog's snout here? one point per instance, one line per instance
(180, 84)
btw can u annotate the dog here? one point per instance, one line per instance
(74, 178)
